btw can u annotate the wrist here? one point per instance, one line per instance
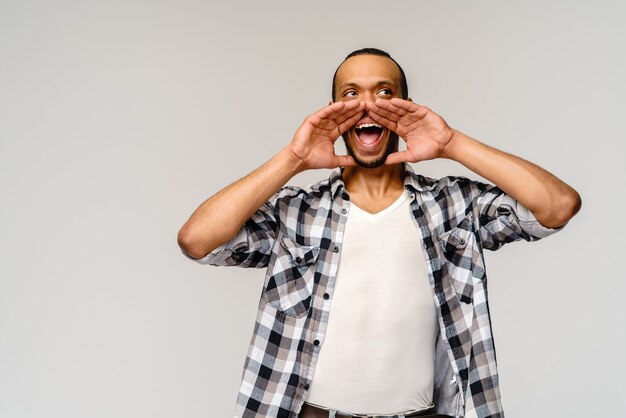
(293, 163)
(452, 148)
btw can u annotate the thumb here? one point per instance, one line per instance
(343, 161)
(398, 157)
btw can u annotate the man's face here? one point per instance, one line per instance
(367, 78)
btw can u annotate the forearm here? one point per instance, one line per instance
(550, 200)
(219, 218)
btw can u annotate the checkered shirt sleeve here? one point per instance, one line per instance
(252, 244)
(503, 219)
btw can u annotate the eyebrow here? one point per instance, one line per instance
(379, 83)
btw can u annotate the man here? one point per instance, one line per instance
(396, 255)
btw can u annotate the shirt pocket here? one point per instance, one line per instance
(290, 277)
(463, 259)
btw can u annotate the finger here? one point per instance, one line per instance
(386, 112)
(387, 123)
(399, 157)
(349, 123)
(389, 106)
(402, 108)
(324, 118)
(341, 118)
(344, 160)
(331, 117)
(336, 109)
(408, 105)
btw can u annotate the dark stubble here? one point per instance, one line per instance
(392, 146)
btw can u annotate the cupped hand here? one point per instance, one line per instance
(313, 142)
(426, 133)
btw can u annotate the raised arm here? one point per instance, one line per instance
(221, 216)
(428, 136)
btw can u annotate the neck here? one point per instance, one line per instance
(374, 183)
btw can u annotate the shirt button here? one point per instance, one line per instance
(326, 295)
(335, 249)
(298, 260)
(306, 387)
(316, 342)
(462, 241)
(344, 211)
(502, 210)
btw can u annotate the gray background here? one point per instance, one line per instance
(118, 118)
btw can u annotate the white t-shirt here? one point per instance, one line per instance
(377, 356)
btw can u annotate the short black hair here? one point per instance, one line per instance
(379, 52)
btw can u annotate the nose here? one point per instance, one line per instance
(368, 98)
(369, 102)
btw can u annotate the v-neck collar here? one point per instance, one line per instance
(383, 212)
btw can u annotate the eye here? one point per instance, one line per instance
(350, 93)
(385, 92)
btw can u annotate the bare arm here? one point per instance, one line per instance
(219, 218)
(551, 201)
(428, 136)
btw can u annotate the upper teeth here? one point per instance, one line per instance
(368, 125)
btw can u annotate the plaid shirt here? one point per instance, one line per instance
(298, 236)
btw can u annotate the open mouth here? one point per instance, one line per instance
(369, 134)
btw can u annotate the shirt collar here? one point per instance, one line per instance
(412, 181)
